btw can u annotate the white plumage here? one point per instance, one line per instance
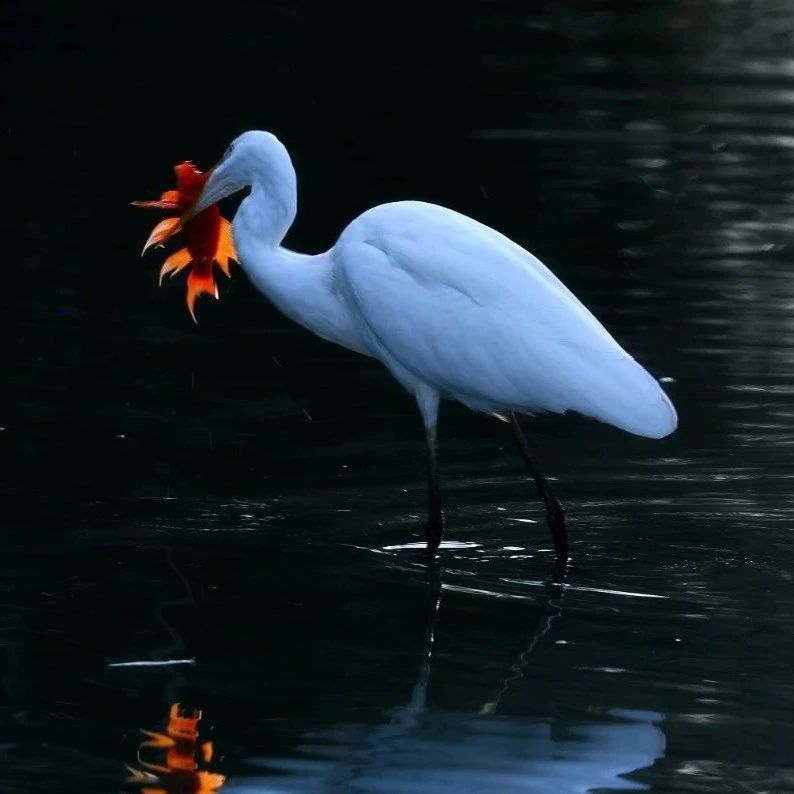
(453, 308)
(451, 305)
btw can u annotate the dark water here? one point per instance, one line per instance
(251, 497)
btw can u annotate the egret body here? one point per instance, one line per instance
(453, 308)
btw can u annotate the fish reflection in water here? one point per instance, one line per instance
(179, 773)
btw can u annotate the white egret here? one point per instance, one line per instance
(454, 310)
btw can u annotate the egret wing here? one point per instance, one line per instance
(454, 304)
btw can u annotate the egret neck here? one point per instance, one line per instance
(299, 285)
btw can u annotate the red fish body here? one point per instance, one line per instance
(208, 235)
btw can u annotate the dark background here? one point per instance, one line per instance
(244, 493)
(374, 105)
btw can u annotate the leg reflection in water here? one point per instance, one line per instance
(551, 611)
(420, 746)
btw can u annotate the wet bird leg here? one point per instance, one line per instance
(555, 515)
(434, 528)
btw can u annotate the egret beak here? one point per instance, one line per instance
(223, 179)
(204, 199)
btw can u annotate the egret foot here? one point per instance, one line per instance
(555, 518)
(434, 531)
(555, 514)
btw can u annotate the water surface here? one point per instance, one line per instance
(245, 495)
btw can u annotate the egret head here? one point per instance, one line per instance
(254, 158)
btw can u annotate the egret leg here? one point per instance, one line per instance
(555, 515)
(434, 529)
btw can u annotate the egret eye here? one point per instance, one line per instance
(228, 151)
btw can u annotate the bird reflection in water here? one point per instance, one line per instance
(423, 747)
(180, 773)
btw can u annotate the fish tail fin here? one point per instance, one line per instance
(226, 250)
(175, 263)
(200, 281)
(162, 232)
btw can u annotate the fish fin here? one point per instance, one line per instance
(226, 249)
(161, 233)
(210, 781)
(166, 770)
(199, 282)
(171, 196)
(157, 740)
(206, 751)
(139, 776)
(175, 263)
(156, 205)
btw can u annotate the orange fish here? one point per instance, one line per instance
(208, 235)
(180, 740)
(180, 774)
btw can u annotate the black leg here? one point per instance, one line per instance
(555, 515)
(435, 520)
